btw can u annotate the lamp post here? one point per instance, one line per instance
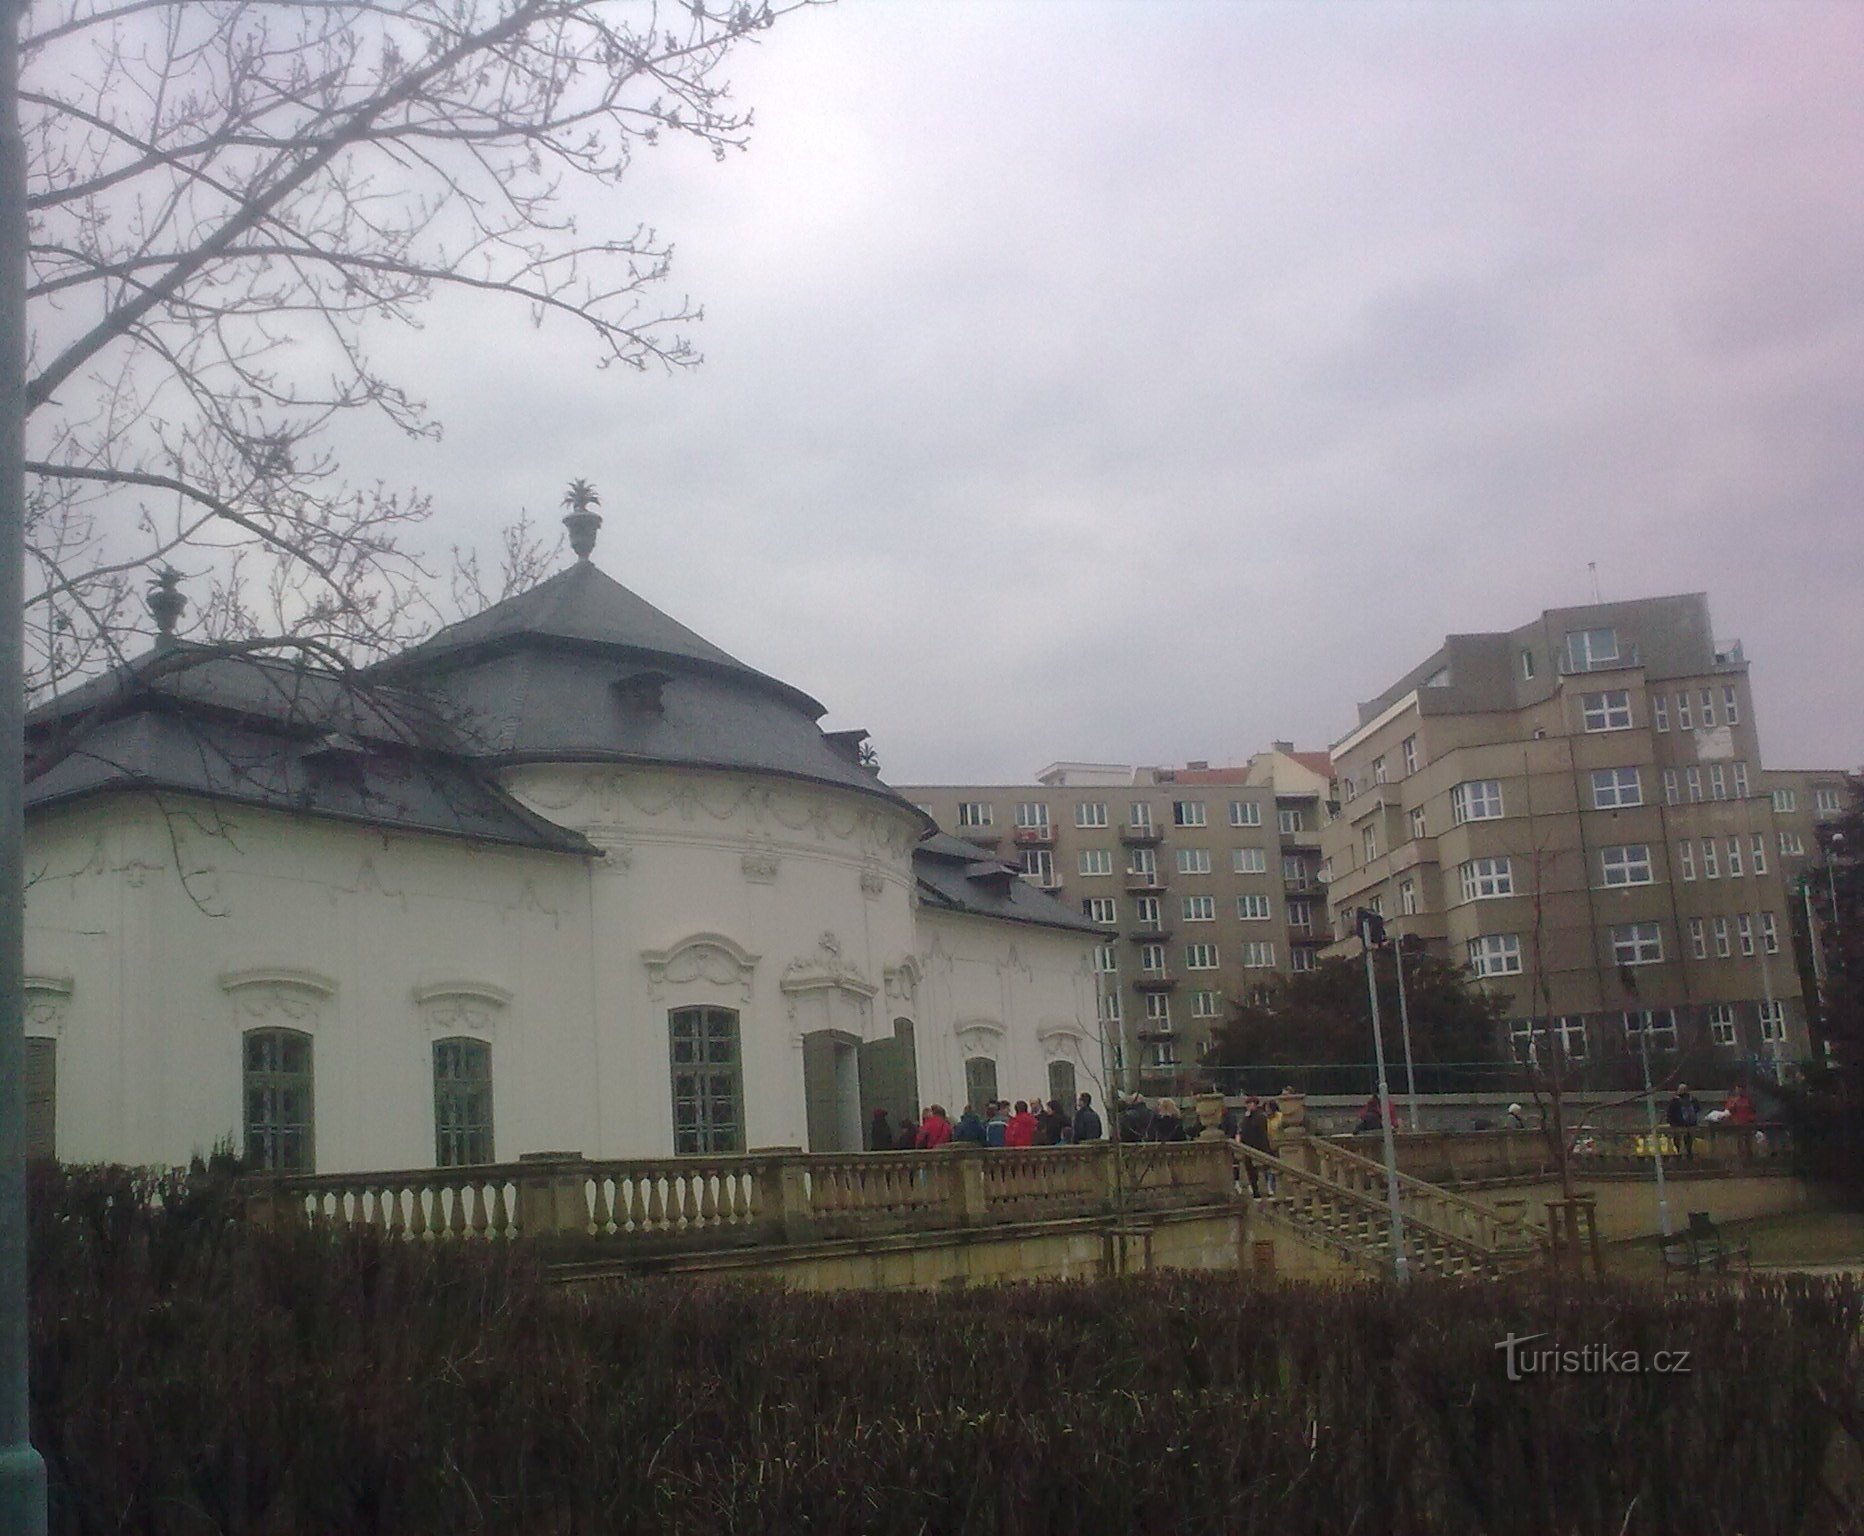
(1404, 1021)
(1832, 845)
(1656, 1147)
(1371, 936)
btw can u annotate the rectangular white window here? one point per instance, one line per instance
(1590, 648)
(1407, 897)
(1685, 720)
(1769, 934)
(1206, 1004)
(1152, 958)
(1369, 841)
(1784, 800)
(1772, 1021)
(1290, 820)
(1096, 861)
(1301, 959)
(1101, 909)
(1193, 861)
(1258, 956)
(1483, 878)
(1718, 782)
(1033, 813)
(1572, 1030)
(1711, 864)
(1659, 712)
(1301, 916)
(1409, 748)
(1722, 1024)
(1142, 816)
(1792, 846)
(1613, 788)
(1245, 813)
(1708, 708)
(1147, 913)
(1739, 770)
(1628, 864)
(1200, 957)
(1669, 786)
(1606, 711)
(1200, 909)
(1660, 1022)
(1827, 802)
(1476, 800)
(1734, 858)
(1417, 821)
(975, 813)
(1527, 666)
(1731, 704)
(1110, 1007)
(1249, 861)
(1158, 1008)
(1090, 813)
(1759, 846)
(1107, 959)
(1039, 866)
(1378, 770)
(1744, 932)
(1722, 947)
(1252, 909)
(1376, 905)
(1143, 863)
(1187, 813)
(1294, 870)
(1348, 790)
(1686, 859)
(1698, 938)
(1637, 944)
(1495, 954)
(1692, 784)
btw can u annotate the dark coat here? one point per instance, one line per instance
(1256, 1131)
(1165, 1128)
(1087, 1125)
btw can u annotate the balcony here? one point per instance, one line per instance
(1156, 1029)
(984, 837)
(1049, 881)
(1137, 834)
(1155, 981)
(1144, 881)
(1573, 666)
(1036, 837)
(1149, 933)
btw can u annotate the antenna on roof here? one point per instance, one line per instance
(1591, 565)
(582, 522)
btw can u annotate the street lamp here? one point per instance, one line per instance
(1833, 845)
(1404, 1020)
(1372, 936)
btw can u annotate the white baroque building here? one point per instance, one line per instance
(566, 877)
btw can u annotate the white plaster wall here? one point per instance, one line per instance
(156, 938)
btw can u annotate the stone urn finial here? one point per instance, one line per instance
(166, 603)
(582, 520)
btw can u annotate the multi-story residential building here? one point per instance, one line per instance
(1205, 879)
(1577, 809)
(1807, 806)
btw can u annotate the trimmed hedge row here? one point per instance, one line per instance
(194, 1375)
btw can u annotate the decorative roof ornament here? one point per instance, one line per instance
(165, 600)
(583, 522)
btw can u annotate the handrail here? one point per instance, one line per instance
(1477, 1214)
(1430, 1245)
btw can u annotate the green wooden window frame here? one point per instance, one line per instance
(280, 1108)
(708, 1081)
(462, 1102)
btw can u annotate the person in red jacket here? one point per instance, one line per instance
(1022, 1127)
(934, 1130)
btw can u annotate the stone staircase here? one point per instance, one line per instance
(1336, 1200)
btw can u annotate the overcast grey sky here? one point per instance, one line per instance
(1143, 382)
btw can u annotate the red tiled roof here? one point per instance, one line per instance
(1315, 762)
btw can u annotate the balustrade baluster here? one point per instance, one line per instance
(417, 1216)
(656, 1205)
(501, 1217)
(708, 1201)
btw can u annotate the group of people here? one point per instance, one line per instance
(1001, 1123)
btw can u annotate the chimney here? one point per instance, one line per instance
(1282, 746)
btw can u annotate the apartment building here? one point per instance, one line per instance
(1205, 878)
(1577, 809)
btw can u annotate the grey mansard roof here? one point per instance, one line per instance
(961, 877)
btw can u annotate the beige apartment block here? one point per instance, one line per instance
(1578, 810)
(1206, 880)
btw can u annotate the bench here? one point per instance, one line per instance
(1702, 1246)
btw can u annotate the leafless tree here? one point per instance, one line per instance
(227, 200)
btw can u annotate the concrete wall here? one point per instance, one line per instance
(1627, 1206)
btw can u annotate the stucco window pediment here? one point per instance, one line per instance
(826, 970)
(46, 1000)
(461, 1007)
(274, 995)
(978, 1037)
(1061, 1039)
(700, 957)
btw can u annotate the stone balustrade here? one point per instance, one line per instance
(1460, 1157)
(780, 1196)
(1441, 1210)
